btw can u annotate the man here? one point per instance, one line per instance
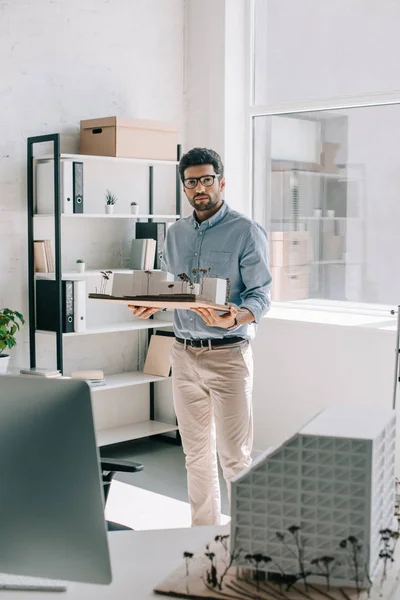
(212, 361)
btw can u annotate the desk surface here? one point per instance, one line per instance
(140, 560)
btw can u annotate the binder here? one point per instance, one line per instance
(80, 306)
(77, 186)
(155, 231)
(45, 187)
(46, 309)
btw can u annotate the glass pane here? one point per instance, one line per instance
(327, 189)
(313, 49)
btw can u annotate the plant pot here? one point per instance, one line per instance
(109, 209)
(134, 209)
(4, 359)
(81, 267)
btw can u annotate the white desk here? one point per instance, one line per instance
(140, 560)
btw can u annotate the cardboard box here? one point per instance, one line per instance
(290, 283)
(129, 138)
(290, 248)
(328, 157)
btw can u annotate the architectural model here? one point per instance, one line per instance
(312, 518)
(150, 287)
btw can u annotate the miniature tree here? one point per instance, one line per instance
(105, 279)
(211, 573)
(354, 557)
(256, 560)
(326, 564)
(187, 556)
(185, 278)
(388, 540)
(228, 289)
(148, 275)
(294, 530)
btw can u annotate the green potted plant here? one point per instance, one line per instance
(9, 325)
(134, 208)
(80, 265)
(111, 199)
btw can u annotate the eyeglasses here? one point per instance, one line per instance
(206, 180)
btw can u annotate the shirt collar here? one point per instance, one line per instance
(212, 220)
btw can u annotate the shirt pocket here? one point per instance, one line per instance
(218, 262)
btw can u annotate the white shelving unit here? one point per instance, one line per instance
(136, 325)
(133, 431)
(149, 162)
(106, 216)
(118, 398)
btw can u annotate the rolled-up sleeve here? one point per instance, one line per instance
(255, 272)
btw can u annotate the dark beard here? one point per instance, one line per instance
(204, 207)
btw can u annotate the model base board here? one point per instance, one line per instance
(193, 579)
(176, 301)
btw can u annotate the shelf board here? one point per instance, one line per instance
(127, 379)
(86, 273)
(105, 216)
(116, 159)
(136, 325)
(133, 431)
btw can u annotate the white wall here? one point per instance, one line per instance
(66, 61)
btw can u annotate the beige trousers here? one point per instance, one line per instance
(212, 391)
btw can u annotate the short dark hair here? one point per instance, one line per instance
(201, 156)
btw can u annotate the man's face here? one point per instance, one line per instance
(203, 196)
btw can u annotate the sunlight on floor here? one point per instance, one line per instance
(141, 509)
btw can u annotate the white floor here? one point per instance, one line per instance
(142, 509)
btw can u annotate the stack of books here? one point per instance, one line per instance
(94, 377)
(37, 372)
(43, 256)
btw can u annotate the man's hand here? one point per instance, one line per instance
(143, 312)
(213, 319)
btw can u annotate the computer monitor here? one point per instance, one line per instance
(51, 500)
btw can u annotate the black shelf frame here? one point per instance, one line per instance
(55, 140)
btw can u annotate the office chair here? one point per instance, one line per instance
(109, 467)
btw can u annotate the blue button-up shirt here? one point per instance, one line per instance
(232, 246)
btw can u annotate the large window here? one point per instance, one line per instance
(327, 188)
(326, 180)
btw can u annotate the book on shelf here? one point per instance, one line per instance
(94, 377)
(39, 372)
(143, 253)
(43, 256)
(156, 231)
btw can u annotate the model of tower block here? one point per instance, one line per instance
(333, 479)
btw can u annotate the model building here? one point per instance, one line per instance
(163, 285)
(328, 492)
